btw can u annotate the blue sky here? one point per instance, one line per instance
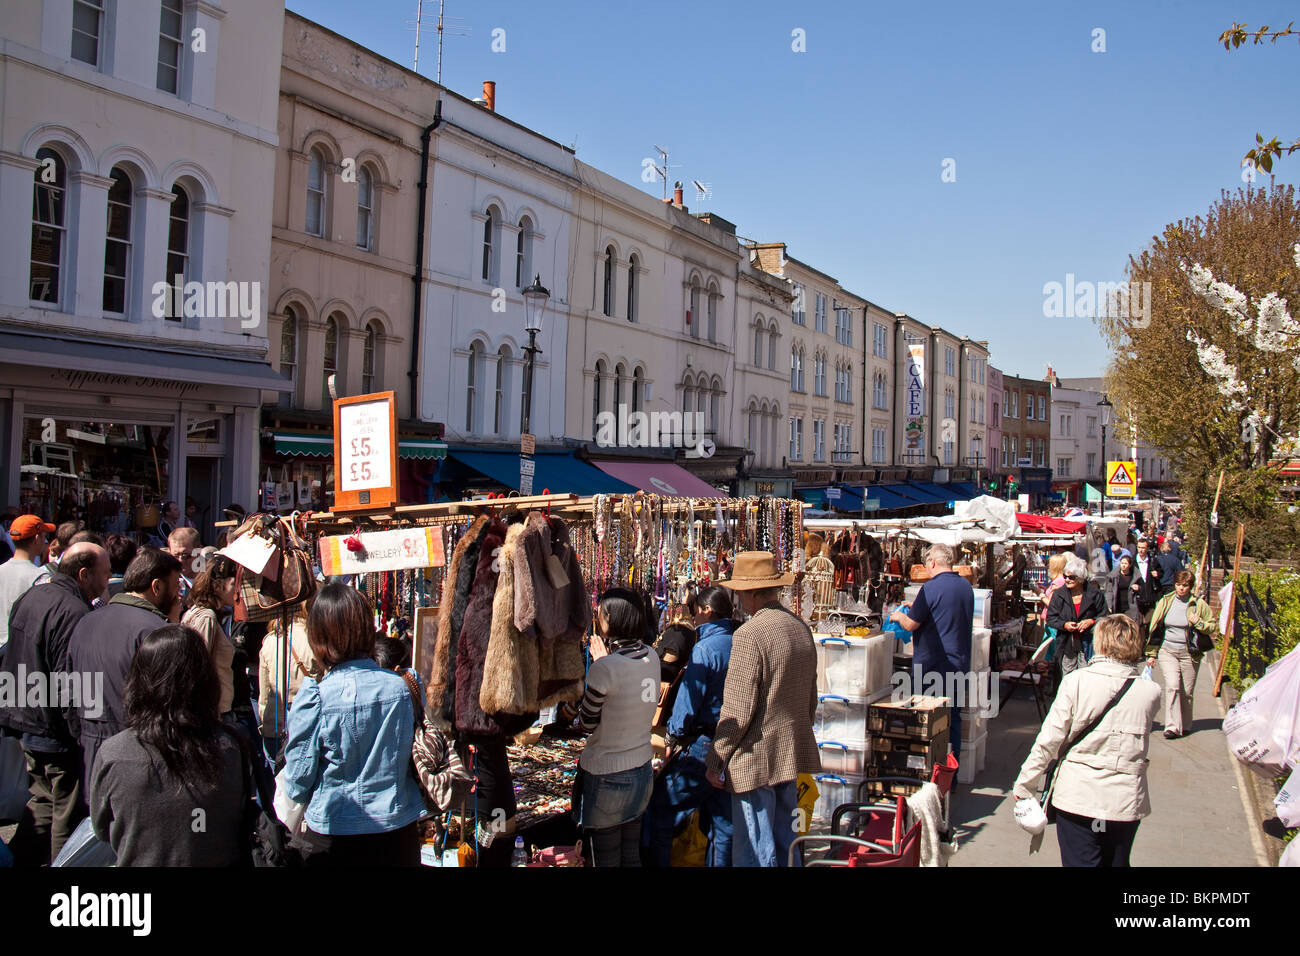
(1066, 160)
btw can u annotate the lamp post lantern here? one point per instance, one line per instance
(1105, 405)
(535, 297)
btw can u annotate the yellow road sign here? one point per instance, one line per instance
(1121, 479)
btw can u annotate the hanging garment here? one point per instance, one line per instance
(451, 614)
(510, 668)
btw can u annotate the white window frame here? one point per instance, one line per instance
(176, 43)
(365, 209)
(98, 6)
(317, 193)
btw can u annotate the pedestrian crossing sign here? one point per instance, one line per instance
(1121, 479)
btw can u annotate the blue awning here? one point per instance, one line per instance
(889, 499)
(559, 471)
(963, 490)
(936, 493)
(813, 496)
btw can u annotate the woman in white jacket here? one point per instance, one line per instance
(1100, 788)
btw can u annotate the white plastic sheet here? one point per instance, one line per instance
(1263, 729)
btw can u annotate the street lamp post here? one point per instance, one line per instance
(977, 448)
(1105, 405)
(535, 297)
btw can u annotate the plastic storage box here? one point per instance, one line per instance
(971, 760)
(854, 666)
(981, 643)
(841, 718)
(833, 790)
(852, 756)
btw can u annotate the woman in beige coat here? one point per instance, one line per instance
(214, 590)
(1100, 788)
(279, 662)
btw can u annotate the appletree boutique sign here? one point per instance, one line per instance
(365, 452)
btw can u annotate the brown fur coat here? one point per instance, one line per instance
(451, 613)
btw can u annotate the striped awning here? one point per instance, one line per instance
(321, 444)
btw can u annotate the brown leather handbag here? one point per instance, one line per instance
(265, 596)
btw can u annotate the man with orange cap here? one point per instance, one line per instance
(24, 569)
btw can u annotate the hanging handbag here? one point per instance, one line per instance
(288, 578)
(266, 840)
(1204, 639)
(436, 765)
(1049, 780)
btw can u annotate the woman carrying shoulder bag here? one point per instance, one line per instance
(1099, 729)
(1178, 620)
(348, 756)
(1073, 611)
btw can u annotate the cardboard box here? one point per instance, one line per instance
(890, 755)
(921, 717)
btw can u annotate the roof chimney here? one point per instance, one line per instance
(677, 193)
(490, 95)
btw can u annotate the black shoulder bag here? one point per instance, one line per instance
(266, 839)
(1050, 778)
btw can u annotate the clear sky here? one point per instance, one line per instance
(1065, 160)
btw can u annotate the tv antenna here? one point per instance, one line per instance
(662, 170)
(456, 29)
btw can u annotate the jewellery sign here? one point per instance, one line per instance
(365, 452)
(914, 402)
(382, 551)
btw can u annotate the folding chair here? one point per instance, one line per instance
(1032, 673)
(861, 852)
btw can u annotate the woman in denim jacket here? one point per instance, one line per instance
(349, 747)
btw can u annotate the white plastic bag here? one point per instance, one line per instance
(85, 849)
(290, 813)
(1030, 816)
(1287, 801)
(1263, 729)
(1291, 857)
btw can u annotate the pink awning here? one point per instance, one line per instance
(660, 478)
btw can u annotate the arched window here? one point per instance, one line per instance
(331, 366)
(758, 343)
(688, 397)
(751, 430)
(949, 404)
(502, 390)
(637, 385)
(620, 372)
(819, 373)
(491, 229)
(473, 376)
(117, 242)
(693, 317)
(715, 408)
(48, 229)
(523, 252)
(771, 347)
(369, 379)
(178, 247)
(701, 399)
(632, 266)
(608, 306)
(713, 313)
(365, 208)
(316, 193)
(598, 382)
(289, 357)
(794, 368)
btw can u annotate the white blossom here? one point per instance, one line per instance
(1221, 295)
(1215, 362)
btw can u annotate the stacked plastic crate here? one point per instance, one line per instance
(981, 703)
(851, 673)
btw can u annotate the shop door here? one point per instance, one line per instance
(203, 485)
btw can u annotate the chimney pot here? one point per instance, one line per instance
(490, 95)
(677, 195)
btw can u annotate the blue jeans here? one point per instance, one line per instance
(764, 825)
(612, 799)
(676, 796)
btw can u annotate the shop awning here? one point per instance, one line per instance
(559, 471)
(321, 444)
(98, 358)
(659, 477)
(936, 492)
(888, 498)
(962, 490)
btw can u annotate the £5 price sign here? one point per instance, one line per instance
(365, 451)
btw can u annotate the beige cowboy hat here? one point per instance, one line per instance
(754, 570)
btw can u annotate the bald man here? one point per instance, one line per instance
(40, 630)
(185, 545)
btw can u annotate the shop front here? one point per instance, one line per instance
(99, 433)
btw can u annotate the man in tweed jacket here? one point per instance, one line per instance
(765, 737)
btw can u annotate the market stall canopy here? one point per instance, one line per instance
(321, 444)
(560, 471)
(982, 521)
(889, 499)
(104, 359)
(1043, 524)
(962, 489)
(659, 477)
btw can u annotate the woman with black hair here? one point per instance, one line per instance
(683, 786)
(170, 789)
(614, 773)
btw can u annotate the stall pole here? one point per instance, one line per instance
(1232, 610)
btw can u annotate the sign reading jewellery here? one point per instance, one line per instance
(914, 401)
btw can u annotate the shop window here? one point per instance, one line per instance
(48, 231)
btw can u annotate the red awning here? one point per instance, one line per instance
(1046, 525)
(1290, 467)
(659, 477)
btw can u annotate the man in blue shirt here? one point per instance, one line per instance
(942, 621)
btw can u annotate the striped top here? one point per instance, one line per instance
(618, 709)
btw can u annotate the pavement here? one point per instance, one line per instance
(1197, 814)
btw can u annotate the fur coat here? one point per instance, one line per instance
(472, 647)
(558, 617)
(451, 614)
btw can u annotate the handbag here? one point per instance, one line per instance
(437, 766)
(1049, 780)
(265, 596)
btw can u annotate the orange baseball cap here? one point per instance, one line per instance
(27, 526)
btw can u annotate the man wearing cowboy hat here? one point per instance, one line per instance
(769, 702)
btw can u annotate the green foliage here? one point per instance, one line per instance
(1254, 649)
(1263, 154)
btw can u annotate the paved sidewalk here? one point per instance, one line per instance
(1197, 817)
